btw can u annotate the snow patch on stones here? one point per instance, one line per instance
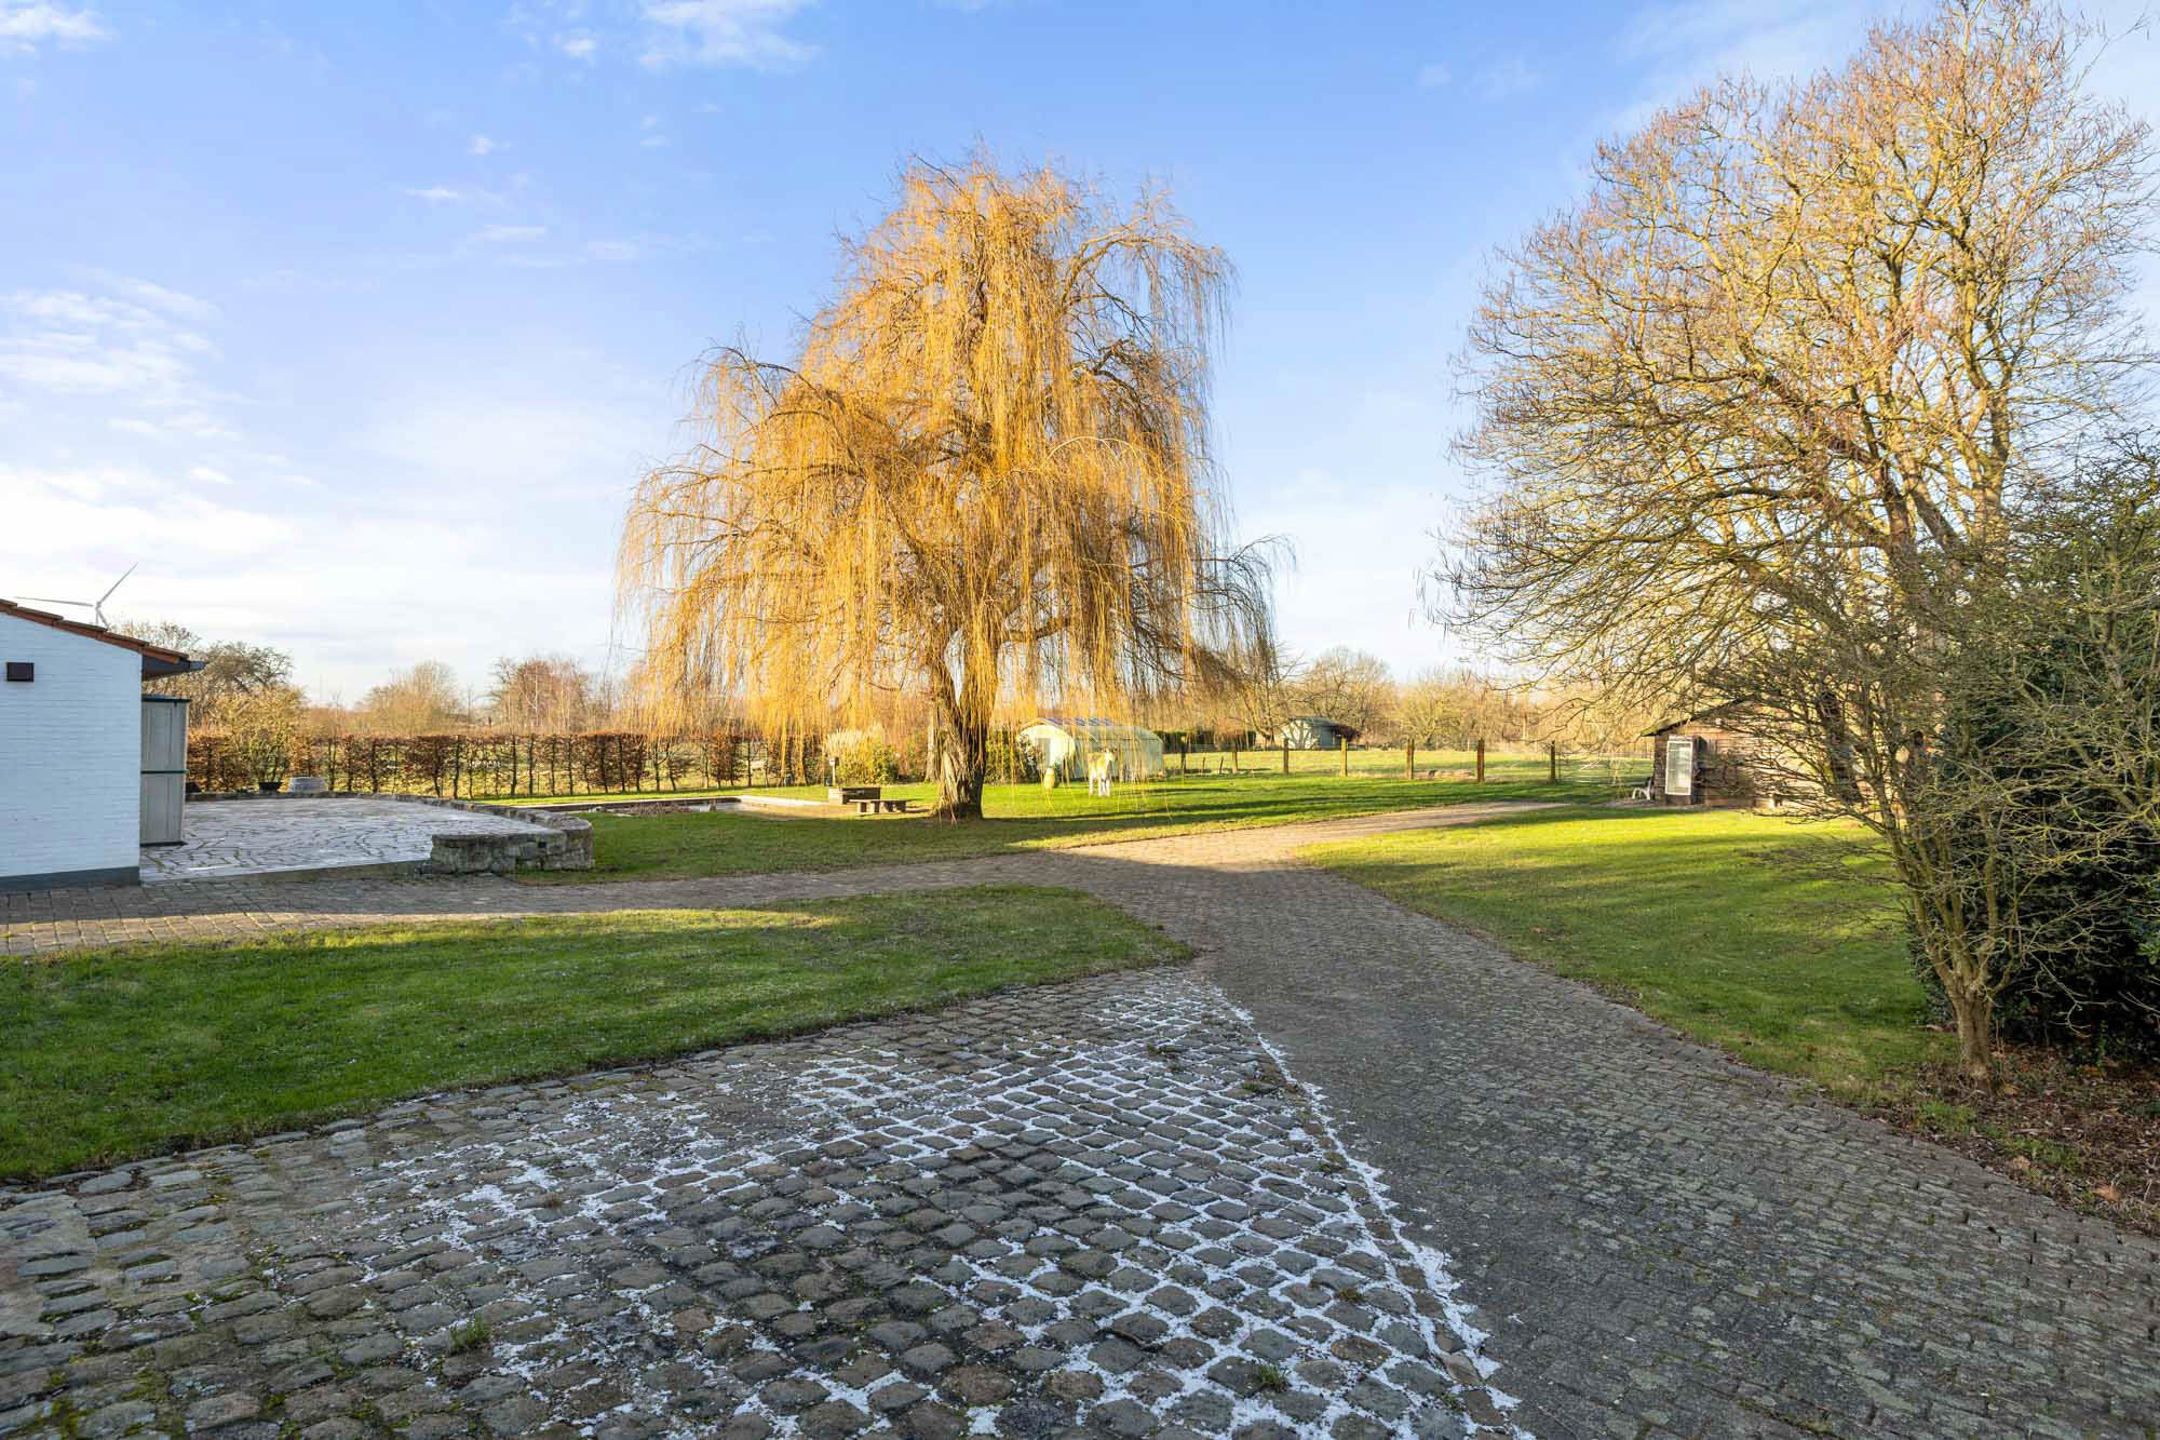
(1117, 1210)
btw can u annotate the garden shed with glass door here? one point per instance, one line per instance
(1703, 761)
(1063, 744)
(75, 746)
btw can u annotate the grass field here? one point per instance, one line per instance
(1025, 817)
(1386, 764)
(1777, 941)
(1782, 944)
(112, 1055)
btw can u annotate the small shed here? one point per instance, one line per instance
(73, 747)
(1064, 743)
(1702, 760)
(1314, 732)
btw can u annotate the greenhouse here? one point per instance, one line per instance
(1064, 745)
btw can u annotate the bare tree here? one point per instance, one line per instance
(1453, 708)
(1349, 687)
(233, 670)
(544, 694)
(1759, 406)
(985, 475)
(423, 698)
(1259, 695)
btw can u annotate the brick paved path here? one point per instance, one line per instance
(1661, 1242)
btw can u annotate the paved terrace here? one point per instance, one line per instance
(1656, 1241)
(231, 839)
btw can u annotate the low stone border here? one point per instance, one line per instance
(568, 846)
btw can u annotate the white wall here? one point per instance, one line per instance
(70, 754)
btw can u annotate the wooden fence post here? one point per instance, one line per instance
(1409, 759)
(1343, 741)
(1481, 760)
(1285, 757)
(1552, 761)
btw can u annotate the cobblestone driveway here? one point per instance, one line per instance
(1661, 1242)
(1093, 1206)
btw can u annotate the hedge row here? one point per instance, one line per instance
(481, 766)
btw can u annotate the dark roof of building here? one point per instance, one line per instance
(1710, 716)
(157, 660)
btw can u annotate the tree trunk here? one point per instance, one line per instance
(963, 760)
(1975, 1015)
(960, 750)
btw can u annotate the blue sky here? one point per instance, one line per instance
(355, 324)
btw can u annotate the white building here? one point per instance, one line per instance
(71, 749)
(1064, 744)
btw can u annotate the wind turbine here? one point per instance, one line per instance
(95, 607)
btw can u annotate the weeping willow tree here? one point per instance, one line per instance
(985, 477)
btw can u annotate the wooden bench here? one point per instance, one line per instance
(867, 799)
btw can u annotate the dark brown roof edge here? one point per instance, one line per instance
(157, 659)
(1697, 717)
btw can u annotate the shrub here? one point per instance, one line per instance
(861, 757)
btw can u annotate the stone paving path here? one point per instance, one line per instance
(1660, 1242)
(233, 838)
(1094, 1207)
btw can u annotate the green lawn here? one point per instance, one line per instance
(1779, 942)
(117, 1054)
(1382, 762)
(1028, 817)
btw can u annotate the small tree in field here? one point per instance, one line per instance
(985, 475)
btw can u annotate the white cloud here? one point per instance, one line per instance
(27, 24)
(723, 32)
(578, 45)
(157, 297)
(1505, 79)
(131, 511)
(435, 194)
(510, 234)
(1434, 76)
(482, 145)
(349, 614)
(74, 342)
(1351, 580)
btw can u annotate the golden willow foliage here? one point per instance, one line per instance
(985, 477)
(1759, 405)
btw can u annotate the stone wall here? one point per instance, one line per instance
(567, 845)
